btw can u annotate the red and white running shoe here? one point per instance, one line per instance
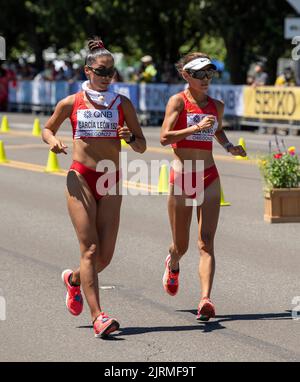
(170, 279)
(74, 300)
(103, 325)
(206, 310)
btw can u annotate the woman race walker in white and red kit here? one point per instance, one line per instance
(191, 122)
(98, 118)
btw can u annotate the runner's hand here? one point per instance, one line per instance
(57, 146)
(206, 123)
(124, 133)
(237, 151)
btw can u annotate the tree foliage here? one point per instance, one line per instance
(249, 29)
(240, 29)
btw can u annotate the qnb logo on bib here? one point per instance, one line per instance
(204, 135)
(97, 123)
(196, 118)
(87, 114)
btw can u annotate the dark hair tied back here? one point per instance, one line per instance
(95, 44)
(96, 49)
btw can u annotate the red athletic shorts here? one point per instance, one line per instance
(91, 176)
(188, 181)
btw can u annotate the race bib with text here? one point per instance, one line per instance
(204, 135)
(97, 123)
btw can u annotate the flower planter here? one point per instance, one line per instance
(282, 205)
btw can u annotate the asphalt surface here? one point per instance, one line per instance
(257, 275)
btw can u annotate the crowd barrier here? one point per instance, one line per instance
(243, 104)
(145, 97)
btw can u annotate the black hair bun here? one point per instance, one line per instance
(95, 44)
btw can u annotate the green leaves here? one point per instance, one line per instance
(236, 30)
(281, 170)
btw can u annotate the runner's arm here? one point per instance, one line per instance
(173, 110)
(133, 127)
(62, 111)
(221, 136)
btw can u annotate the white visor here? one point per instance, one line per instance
(199, 63)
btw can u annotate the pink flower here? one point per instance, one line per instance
(278, 156)
(292, 150)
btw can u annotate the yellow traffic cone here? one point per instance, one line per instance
(243, 144)
(2, 153)
(163, 183)
(223, 203)
(36, 130)
(123, 143)
(52, 164)
(4, 125)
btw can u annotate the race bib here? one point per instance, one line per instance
(204, 135)
(97, 123)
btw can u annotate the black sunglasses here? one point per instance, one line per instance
(201, 74)
(103, 72)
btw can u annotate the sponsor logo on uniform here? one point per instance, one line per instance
(202, 135)
(197, 118)
(87, 114)
(97, 123)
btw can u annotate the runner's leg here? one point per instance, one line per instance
(83, 212)
(180, 217)
(108, 219)
(208, 215)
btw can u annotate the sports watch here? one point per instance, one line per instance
(227, 146)
(131, 139)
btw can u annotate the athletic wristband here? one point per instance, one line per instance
(132, 139)
(227, 146)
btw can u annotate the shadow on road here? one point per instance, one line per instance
(247, 317)
(203, 327)
(129, 331)
(142, 330)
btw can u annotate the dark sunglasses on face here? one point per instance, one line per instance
(201, 74)
(103, 72)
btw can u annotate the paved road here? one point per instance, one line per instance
(257, 276)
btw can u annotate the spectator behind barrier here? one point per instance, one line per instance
(25, 71)
(260, 77)
(78, 74)
(6, 75)
(147, 72)
(68, 71)
(60, 75)
(287, 78)
(250, 80)
(48, 74)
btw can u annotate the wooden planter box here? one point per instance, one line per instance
(282, 205)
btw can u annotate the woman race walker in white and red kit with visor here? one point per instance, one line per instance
(191, 122)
